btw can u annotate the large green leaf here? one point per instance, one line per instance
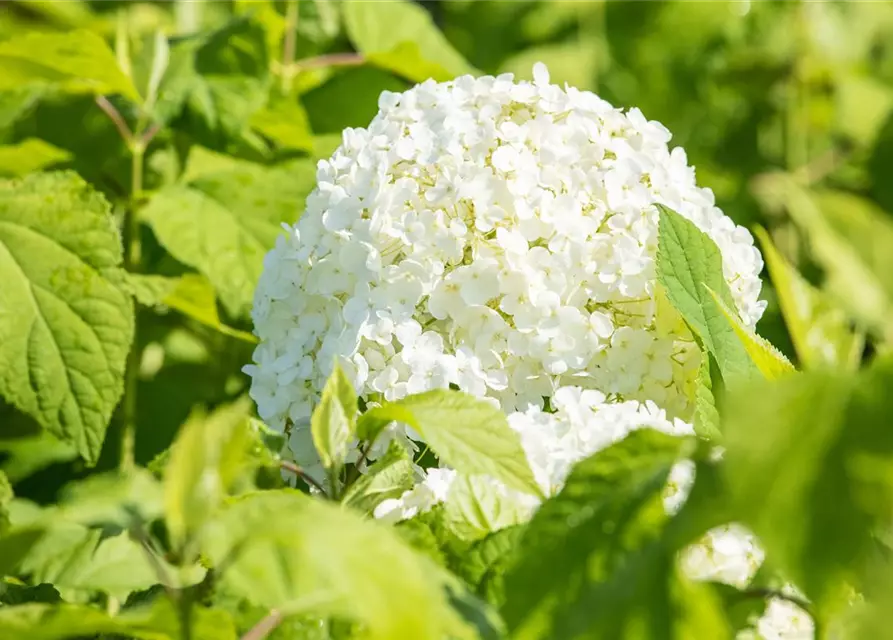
(467, 433)
(65, 325)
(300, 555)
(593, 562)
(688, 262)
(224, 221)
(29, 155)
(820, 331)
(376, 28)
(808, 469)
(160, 621)
(75, 61)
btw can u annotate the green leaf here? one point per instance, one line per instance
(388, 478)
(706, 418)
(65, 325)
(767, 359)
(215, 82)
(15, 544)
(284, 122)
(406, 60)
(302, 555)
(6, 496)
(850, 238)
(808, 469)
(77, 560)
(380, 28)
(77, 61)
(28, 455)
(159, 621)
(207, 460)
(593, 562)
(484, 565)
(820, 331)
(226, 220)
(29, 155)
(687, 260)
(468, 434)
(113, 498)
(476, 507)
(333, 422)
(191, 294)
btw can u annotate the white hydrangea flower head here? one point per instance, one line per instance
(496, 235)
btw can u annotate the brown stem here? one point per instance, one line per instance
(298, 471)
(115, 117)
(263, 628)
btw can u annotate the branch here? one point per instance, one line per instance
(764, 592)
(326, 60)
(262, 629)
(115, 117)
(298, 471)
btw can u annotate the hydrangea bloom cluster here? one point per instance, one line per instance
(495, 235)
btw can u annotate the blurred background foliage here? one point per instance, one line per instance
(785, 108)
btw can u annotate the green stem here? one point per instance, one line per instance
(132, 262)
(797, 133)
(289, 44)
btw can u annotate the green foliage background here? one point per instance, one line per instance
(150, 150)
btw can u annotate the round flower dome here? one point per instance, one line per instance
(495, 236)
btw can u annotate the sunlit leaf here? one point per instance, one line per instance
(466, 433)
(820, 331)
(65, 324)
(380, 28)
(29, 155)
(303, 555)
(687, 260)
(74, 61)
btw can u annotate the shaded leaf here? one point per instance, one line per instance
(594, 563)
(808, 465)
